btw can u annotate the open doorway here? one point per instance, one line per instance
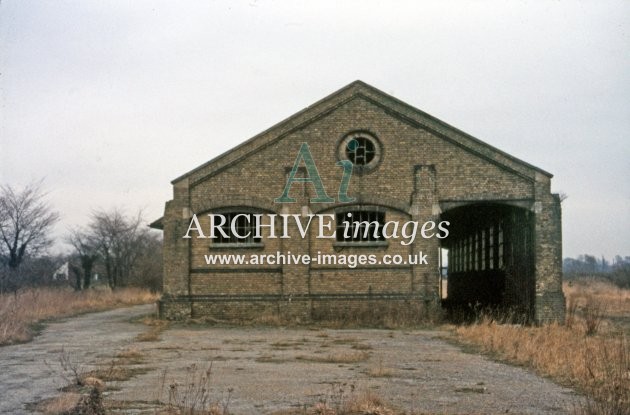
(490, 258)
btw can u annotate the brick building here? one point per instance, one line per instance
(504, 225)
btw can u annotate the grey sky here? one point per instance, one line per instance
(110, 100)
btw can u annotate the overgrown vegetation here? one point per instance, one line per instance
(192, 396)
(338, 357)
(587, 266)
(119, 245)
(591, 352)
(344, 399)
(83, 394)
(113, 244)
(156, 327)
(22, 310)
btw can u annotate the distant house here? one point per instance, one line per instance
(62, 273)
(504, 224)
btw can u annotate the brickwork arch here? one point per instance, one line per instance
(229, 202)
(367, 200)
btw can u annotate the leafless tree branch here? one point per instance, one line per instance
(25, 222)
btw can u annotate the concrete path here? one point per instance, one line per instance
(30, 372)
(267, 370)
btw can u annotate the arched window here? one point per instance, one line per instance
(243, 224)
(362, 225)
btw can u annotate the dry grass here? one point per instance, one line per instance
(131, 356)
(20, 311)
(368, 404)
(344, 400)
(598, 305)
(63, 403)
(591, 353)
(192, 395)
(289, 344)
(361, 346)
(271, 359)
(380, 371)
(122, 367)
(617, 300)
(118, 370)
(83, 395)
(338, 357)
(156, 327)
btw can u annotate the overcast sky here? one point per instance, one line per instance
(111, 100)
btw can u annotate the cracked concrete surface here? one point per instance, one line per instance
(31, 371)
(271, 369)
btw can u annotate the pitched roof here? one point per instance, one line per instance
(390, 104)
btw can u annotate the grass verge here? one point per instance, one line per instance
(591, 352)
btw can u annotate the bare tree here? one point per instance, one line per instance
(562, 196)
(87, 251)
(25, 222)
(124, 250)
(147, 270)
(117, 239)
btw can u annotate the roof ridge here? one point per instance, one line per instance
(405, 111)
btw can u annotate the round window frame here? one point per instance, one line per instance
(378, 150)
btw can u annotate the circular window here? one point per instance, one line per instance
(362, 149)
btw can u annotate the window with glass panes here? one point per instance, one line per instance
(360, 226)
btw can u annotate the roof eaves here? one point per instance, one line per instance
(298, 114)
(420, 117)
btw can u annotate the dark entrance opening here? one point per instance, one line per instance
(490, 260)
